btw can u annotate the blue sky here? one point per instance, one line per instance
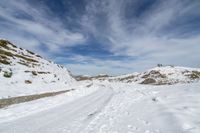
(105, 36)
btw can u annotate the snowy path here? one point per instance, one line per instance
(119, 108)
(66, 118)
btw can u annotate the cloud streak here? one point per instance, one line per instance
(26, 20)
(143, 32)
(155, 34)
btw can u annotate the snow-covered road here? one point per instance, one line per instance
(119, 108)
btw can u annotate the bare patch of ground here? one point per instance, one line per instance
(21, 99)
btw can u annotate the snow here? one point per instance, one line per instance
(98, 106)
(162, 75)
(110, 108)
(52, 77)
(35, 106)
(174, 72)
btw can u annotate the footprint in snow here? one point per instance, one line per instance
(187, 127)
(147, 131)
(65, 130)
(127, 113)
(146, 122)
(143, 121)
(132, 127)
(155, 99)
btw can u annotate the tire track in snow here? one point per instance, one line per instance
(70, 117)
(115, 113)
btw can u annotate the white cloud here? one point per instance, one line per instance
(41, 29)
(147, 36)
(152, 37)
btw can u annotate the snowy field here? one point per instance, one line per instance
(109, 108)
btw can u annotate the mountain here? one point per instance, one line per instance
(162, 75)
(24, 72)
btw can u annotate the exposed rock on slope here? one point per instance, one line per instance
(24, 72)
(157, 76)
(86, 77)
(162, 75)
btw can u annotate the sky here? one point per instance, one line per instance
(105, 36)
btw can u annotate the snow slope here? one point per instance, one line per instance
(161, 76)
(116, 108)
(30, 73)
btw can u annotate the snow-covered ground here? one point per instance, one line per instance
(108, 107)
(101, 104)
(29, 73)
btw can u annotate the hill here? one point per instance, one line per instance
(24, 72)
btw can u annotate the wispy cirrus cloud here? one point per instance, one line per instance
(28, 24)
(150, 31)
(114, 36)
(159, 32)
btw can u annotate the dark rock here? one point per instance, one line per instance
(148, 81)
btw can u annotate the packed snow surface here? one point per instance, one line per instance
(104, 107)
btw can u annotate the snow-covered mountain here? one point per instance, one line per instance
(161, 75)
(24, 72)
